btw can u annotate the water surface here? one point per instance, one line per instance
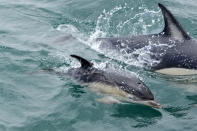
(41, 34)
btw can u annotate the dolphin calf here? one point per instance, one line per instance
(118, 88)
(173, 49)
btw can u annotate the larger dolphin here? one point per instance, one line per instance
(178, 58)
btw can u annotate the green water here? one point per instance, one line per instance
(41, 34)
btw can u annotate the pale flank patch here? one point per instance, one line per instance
(177, 71)
(106, 89)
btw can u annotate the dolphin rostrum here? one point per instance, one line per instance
(173, 49)
(118, 88)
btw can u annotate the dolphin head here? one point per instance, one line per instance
(136, 91)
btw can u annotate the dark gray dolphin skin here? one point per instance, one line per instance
(179, 58)
(116, 86)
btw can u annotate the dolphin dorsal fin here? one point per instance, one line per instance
(172, 27)
(84, 63)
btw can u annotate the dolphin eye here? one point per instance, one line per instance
(139, 83)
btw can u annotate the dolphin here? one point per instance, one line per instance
(118, 88)
(174, 51)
